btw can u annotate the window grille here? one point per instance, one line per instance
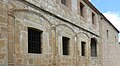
(34, 40)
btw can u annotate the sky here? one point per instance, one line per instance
(110, 9)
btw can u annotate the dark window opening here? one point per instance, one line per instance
(81, 9)
(107, 34)
(34, 40)
(93, 18)
(115, 39)
(93, 47)
(63, 2)
(83, 48)
(65, 42)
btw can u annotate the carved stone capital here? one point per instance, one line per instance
(53, 27)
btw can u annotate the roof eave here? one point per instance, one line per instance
(98, 12)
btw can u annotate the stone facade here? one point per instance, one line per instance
(55, 20)
(110, 45)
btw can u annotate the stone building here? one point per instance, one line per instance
(56, 33)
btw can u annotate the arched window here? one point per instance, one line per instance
(93, 47)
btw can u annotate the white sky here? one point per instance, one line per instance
(114, 17)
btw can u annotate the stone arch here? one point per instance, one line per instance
(82, 46)
(94, 39)
(82, 37)
(83, 33)
(64, 30)
(43, 22)
(34, 12)
(66, 26)
(46, 30)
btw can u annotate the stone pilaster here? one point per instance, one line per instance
(53, 45)
(11, 39)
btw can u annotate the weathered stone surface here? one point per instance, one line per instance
(2, 56)
(55, 20)
(2, 43)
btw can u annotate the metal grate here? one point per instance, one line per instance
(34, 40)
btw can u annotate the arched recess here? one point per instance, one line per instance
(64, 30)
(82, 48)
(94, 39)
(44, 26)
(82, 37)
(44, 21)
(83, 34)
(69, 27)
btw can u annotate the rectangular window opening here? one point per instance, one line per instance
(83, 48)
(93, 48)
(93, 18)
(115, 39)
(65, 43)
(34, 40)
(81, 9)
(107, 34)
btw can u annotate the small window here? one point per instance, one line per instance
(34, 40)
(93, 47)
(115, 39)
(83, 48)
(93, 18)
(107, 33)
(81, 9)
(65, 43)
(63, 2)
(66, 3)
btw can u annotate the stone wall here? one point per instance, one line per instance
(3, 34)
(55, 20)
(110, 45)
(54, 26)
(55, 7)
